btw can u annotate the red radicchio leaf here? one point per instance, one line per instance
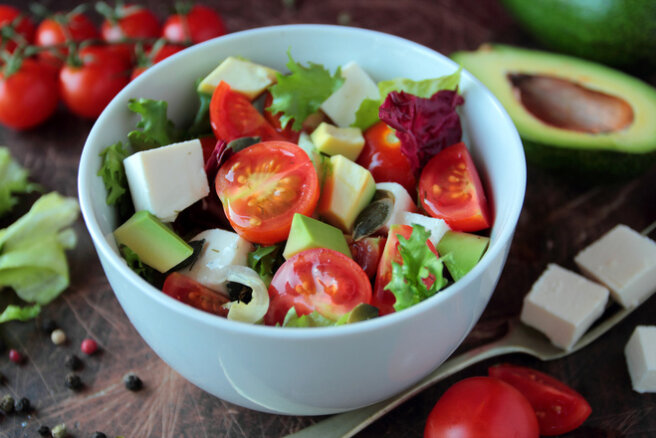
(424, 126)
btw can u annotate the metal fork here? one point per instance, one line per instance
(519, 339)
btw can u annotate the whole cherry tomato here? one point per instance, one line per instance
(129, 22)
(482, 407)
(382, 156)
(28, 96)
(23, 26)
(194, 25)
(86, 89)
(154, 55)
(62, 28)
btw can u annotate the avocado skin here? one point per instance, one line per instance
(593, 165)
(621, 33)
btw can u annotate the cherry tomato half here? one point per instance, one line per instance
(87, 90)
(28, 96)
(450, 189)
(60, 29)
(481, 407)
(199, 24)
(191, 292)
(382, 156)
(262, 186)
(232, 116)
(24, 27)
(558, 407)
(384, 299)
(317, 279)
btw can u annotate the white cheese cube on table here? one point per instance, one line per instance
(625, 262)
(563, 305)
(221, 248)
(437, 227)
(342, 105)
(640, 355)
(243, 76)
(168, 179)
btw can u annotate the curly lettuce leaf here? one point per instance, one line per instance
(32, 249)
(314, 319)
(13, 180)
(133, 261)
(115, 179)
(265, 260)
(19, 313)
(156, 129)
(300, 93)
(409, 279)
(367, 113)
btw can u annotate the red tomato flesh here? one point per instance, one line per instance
(384, 299)
(317, 279)
(382, 156)
(482, 407)
(262, 186)
(558, 407)
(191, 292)
(450, 189)
(233, 116)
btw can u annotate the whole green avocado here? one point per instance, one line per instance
(616, 32)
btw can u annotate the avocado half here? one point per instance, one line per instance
(615, 32)
(572, 114)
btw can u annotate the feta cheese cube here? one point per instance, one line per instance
(221, 248)
(640, 355)
(342, 105)
(437, 227)
(168, 179)
(625, 262)
(563, 305)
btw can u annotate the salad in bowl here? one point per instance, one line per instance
(261, 233)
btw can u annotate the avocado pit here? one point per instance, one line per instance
(569, 105)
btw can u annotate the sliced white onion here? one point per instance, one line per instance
(257, 307)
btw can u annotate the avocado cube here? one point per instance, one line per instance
(347, 189)
(308, 233)
(466, 250)
(155, 243)
(243, 76)
(332, 140)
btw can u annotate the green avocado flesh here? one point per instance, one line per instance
(465, 251)
(615, 32)
(572, 114)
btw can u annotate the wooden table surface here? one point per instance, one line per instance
(558, 219)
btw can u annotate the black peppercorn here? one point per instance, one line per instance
(132, 382)
(98, 435)
(73, 362)
(7, 403)
(23, 406)
(44, 430)
(73, 381)
(48, 326)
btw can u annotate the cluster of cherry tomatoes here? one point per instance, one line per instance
(67, 57)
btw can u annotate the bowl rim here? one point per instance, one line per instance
(105, 250)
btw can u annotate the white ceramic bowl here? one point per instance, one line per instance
(320, 370)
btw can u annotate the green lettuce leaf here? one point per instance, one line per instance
(13, 180)
(115, 180)
(300, 93)
(156, 129)
(201, 126)
(17, 313)
(265, 260)
(149, 274)
(367, 113)
(32, 249)
(419, 262)
(314, 319)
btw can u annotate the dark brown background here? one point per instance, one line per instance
(558, 219)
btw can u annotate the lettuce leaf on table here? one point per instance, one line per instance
(32, 250)
(13, 180)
